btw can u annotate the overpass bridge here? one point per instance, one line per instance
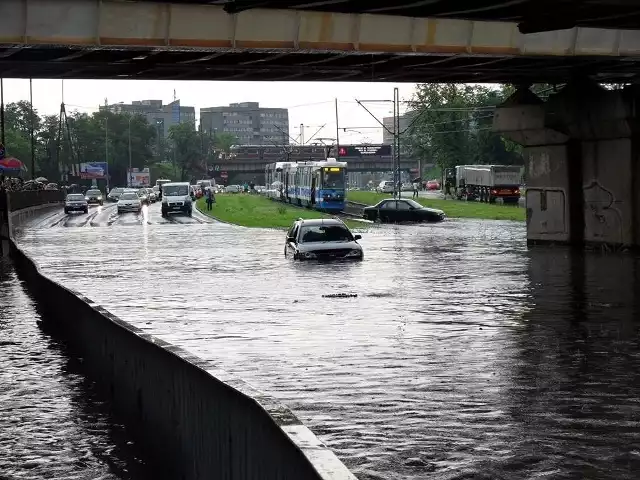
(386, 41)
(249, 162)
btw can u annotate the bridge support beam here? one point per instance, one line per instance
(583, 172)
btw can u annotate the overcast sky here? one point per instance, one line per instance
(309, 103)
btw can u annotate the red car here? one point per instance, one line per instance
(433, 185)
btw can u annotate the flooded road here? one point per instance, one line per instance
(52, 423)
(464, 355)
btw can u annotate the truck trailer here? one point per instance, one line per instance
(487, 183)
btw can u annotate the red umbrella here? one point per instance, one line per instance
(11, 163)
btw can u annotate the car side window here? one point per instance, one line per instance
(389, 205)
(403, 205)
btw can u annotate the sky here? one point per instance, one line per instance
(310, 103)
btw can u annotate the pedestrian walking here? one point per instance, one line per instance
(209, 199)
(416, 189)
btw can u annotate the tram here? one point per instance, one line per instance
(318, 185)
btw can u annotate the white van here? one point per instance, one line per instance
(176, 197)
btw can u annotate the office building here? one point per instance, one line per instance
(250, 123)
(387, 132)
(162, 116)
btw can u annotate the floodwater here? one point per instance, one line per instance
(53, 423)
(464, 355)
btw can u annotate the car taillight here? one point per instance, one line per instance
(494, 192)
(516, 191)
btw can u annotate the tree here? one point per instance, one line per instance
(224, 141)
(187, 149)
(453, 126)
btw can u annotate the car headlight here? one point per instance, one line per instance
(86, 198)
(354, 253)
(165, 200)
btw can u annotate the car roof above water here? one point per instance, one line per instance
(320, 221)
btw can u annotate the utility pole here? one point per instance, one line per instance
(301, 134)
(337, 133)
(33, 145)
(396, 101)
(106, 147)
(2, 111)
(130, 168)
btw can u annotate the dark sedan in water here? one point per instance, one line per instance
(402, 210)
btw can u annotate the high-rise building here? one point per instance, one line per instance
(159, 115)
(251, 124)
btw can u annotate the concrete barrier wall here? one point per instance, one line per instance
(196, 420)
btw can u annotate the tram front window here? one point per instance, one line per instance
(333, 179)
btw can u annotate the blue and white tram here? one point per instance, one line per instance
(321, 185)
(317, 185)
(274, 176)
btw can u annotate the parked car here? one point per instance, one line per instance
(385, 187)
(404, 210)
(433, 185)
(322, 239)
(233, 189)
(93, 195)
(129, 202)
(75, 202)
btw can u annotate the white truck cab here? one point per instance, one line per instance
(176, 197)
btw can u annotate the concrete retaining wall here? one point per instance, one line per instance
(196, 420)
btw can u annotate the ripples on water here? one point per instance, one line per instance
(52, 423)
(464, 355)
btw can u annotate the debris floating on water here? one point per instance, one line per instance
(340, 295)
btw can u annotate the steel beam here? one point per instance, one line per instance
(116, 24)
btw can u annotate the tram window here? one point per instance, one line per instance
(333, 179)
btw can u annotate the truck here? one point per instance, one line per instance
(486, 183)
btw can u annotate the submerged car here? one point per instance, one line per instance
(93, 195)
(76, 202)
(402, 210)
(129, 202)
(322, 239)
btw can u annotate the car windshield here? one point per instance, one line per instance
(175, 190)
(325, 233)
(128, 196)
(75, 197)
(117, 190)
(94, 192)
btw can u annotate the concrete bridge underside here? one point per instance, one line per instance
(163, 40)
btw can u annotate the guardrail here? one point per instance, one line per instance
(26, 199)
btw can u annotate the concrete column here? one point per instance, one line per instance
(581, 149)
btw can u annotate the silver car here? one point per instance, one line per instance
(129, 202)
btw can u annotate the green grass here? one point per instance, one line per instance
(259, 212)
(452, 208)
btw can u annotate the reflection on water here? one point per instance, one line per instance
(464, 355)
(52, 422)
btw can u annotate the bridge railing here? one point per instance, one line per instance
(25, 199)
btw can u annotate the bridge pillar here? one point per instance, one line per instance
(583, 172)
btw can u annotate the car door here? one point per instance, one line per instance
(403, 212)
(387, 211)
(290, 248)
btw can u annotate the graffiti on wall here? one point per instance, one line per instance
(602, 220)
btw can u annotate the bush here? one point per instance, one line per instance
(282, 210)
